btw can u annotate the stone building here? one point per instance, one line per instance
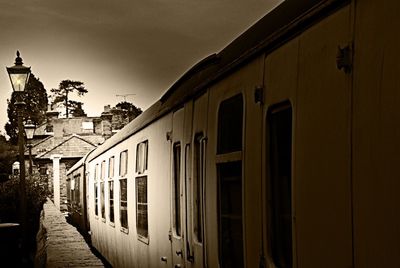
(60, 142)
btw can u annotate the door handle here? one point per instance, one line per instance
(177, 266)
(164, 259)
(179, 253)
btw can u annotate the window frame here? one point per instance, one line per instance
(275, 182)
(123, 177)
(197, 188)
(141, 172)
(96, 192)
(226, 156)
(145, 239)
(102, 190)
(176, 187)
(110, 190)
(142, 163)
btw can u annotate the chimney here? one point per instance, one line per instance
(106, 117)
(97, 126)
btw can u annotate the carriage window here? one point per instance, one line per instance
(77, 192)
(69, 191)
(280, 184)
(111, 197)
(96, 193)
(230, 117)
(123, 191)
(199, 143)
(123, 163)
(229, 183)
(176, 188)
(111, 188)
(111, 167)
(102, 201)
(123, 202)
(141, 157)
(141, 207)
(230, 214)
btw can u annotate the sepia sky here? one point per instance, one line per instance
(117, 47)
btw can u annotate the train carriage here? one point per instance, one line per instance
(279, 151)
(76, 197)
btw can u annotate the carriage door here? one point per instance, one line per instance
(195, 135)
(307, 183)
(177, 200)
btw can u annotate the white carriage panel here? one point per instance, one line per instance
(149, 252)
(281, 74)
(244, 81)
(322, 168)
(123, 250)
(110, 231)
(176, 186)
(93, 219)
(195, 238)
(376, 132)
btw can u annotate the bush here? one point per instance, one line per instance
(36, 195)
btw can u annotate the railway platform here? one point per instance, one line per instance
(59, 244)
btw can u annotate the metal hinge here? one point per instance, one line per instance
(170, 235)
(344, 59)
(169, 135)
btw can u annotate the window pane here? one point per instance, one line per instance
(123, 162)
(124, 215)
(103, 170)
(123, 203)
(111, 167)
(141, 157)
(230, 118)
(96, 200)
(96, 172)
(103, 208)
(141, 206)
(77, 193)
(230, 214)
(198, 188)
(177, 187)
(111, 199)
(280, 185)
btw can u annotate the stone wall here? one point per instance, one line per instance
(59, 244)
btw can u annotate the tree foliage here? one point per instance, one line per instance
(36, 195)
(131, 111)
(76, 108)
(8, 154)
(60, 96)
(36, 101)
(126, 111)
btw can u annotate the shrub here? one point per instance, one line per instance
(36, 195)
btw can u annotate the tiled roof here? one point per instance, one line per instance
(68, 146)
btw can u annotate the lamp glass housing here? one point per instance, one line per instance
(29, 130)
(19, 74)
(19, 79)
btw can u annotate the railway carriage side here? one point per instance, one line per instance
(128, 207)
(76, 197)
(267, 165)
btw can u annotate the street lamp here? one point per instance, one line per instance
(29, 131)
(19, 75)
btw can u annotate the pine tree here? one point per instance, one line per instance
(61, 96)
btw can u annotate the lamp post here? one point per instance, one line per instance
(19, 75)
(29, 131)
